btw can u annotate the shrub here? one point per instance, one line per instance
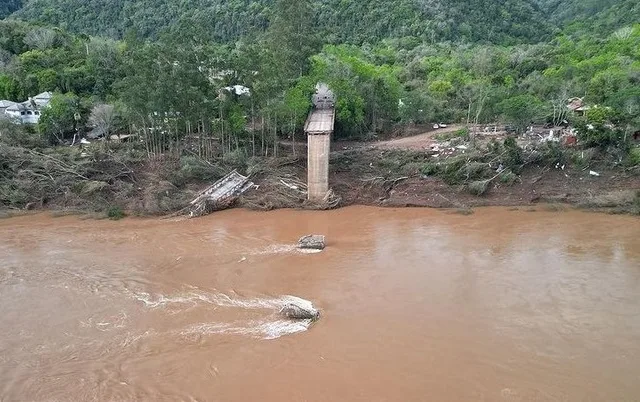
(237, 158)
(115, 213)
(553, 153)
(462, 134)
(193, 169)
(508, 177)
(633, 158)
(476, 170)
(478, 187)
(429, 169)
(596, 130)
(513, 154)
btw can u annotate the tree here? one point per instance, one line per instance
(291, 38)
(522, 110)
(597, 130)
(61, 117)
(40, 38)
(103, 119)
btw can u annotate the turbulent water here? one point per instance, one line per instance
(503, 305)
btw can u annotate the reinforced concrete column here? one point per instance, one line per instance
(319, 147)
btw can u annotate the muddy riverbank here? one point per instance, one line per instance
(118, 181)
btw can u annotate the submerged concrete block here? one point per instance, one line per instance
(295, 312)
(312, 242)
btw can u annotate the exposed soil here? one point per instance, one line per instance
(535, 185)
(423, 140)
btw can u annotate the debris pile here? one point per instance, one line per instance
(285, 191)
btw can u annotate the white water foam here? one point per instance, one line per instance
(219, 299)
(272, 327)
(309, 251)
(276, 249)
(266, 329)
(283, 249)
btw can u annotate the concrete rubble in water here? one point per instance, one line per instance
(295, 312)
(312, 242)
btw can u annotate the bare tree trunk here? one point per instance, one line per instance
(222, 131)
(253, 129)
(275, 136)
(262, 135)
(293, 133)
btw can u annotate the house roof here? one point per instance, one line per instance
(577, 105)
(43, 96)
(6, 103)
(37, 102)
(239, 90)
(16, 107)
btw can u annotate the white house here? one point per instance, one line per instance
(27, 112)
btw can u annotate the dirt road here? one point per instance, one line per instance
(418, 142)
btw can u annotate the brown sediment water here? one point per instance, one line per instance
(417, 305)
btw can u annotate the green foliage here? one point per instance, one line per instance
(463, 133)
(513, 154)
(45, 59)
(633, 159)
(598, 130)
(115, 213)
(62, 117)
(522, 110)
(192, 169)
(338, 21)
(401, 62)
(368, 93)
(479, 187)
(9, 6)
(508, 177)
(554, 153)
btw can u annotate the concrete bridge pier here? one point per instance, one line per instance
(319, 127)
(318, 150)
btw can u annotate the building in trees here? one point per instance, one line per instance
(27, 112)
(577, 106)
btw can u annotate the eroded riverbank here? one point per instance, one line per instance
(500, 305)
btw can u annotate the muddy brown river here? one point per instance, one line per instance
(417, 305)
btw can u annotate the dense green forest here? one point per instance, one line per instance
(338, 21)
(9, 6)
(591, 16)
(403, 72)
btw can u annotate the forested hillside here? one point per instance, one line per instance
(9, 6)
(590, 17)
(352, 21)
